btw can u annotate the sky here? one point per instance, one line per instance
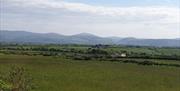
(154, 19)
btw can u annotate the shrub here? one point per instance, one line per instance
(4, 86)
(16, 80)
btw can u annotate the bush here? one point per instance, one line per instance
(16, 80)
(4, 86)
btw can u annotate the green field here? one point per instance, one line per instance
(52, 73)
(94, 67)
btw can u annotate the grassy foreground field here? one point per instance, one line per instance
(59, 74)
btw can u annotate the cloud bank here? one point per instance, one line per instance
(167, 14)
(64, 17)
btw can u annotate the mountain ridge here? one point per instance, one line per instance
(82, 38)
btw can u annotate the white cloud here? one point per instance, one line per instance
(161, 13)
(146, 22)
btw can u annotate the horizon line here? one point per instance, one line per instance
(82, 33)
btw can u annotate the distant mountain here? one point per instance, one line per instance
(50, 38)
(151, 42)
(115, 39)
(83, 38)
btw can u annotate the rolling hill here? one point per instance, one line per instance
(83, 38)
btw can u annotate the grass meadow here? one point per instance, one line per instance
(60, 74)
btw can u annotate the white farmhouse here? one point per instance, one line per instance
(123, 55)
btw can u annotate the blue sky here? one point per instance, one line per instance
(174, 3)
(122, 18)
